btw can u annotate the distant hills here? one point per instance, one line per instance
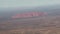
(8, 12)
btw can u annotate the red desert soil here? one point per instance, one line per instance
(37, 25)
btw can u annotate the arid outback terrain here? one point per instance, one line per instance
(35, 25)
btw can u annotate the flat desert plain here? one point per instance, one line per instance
(34, 25)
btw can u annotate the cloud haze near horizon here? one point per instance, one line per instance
(27, 3)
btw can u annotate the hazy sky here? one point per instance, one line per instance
(27, 3)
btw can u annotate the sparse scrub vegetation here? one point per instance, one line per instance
(40, 25)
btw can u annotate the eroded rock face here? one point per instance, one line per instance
(29, 14)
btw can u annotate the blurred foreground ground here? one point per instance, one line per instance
(37, 25)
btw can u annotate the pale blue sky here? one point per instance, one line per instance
(27, 3)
